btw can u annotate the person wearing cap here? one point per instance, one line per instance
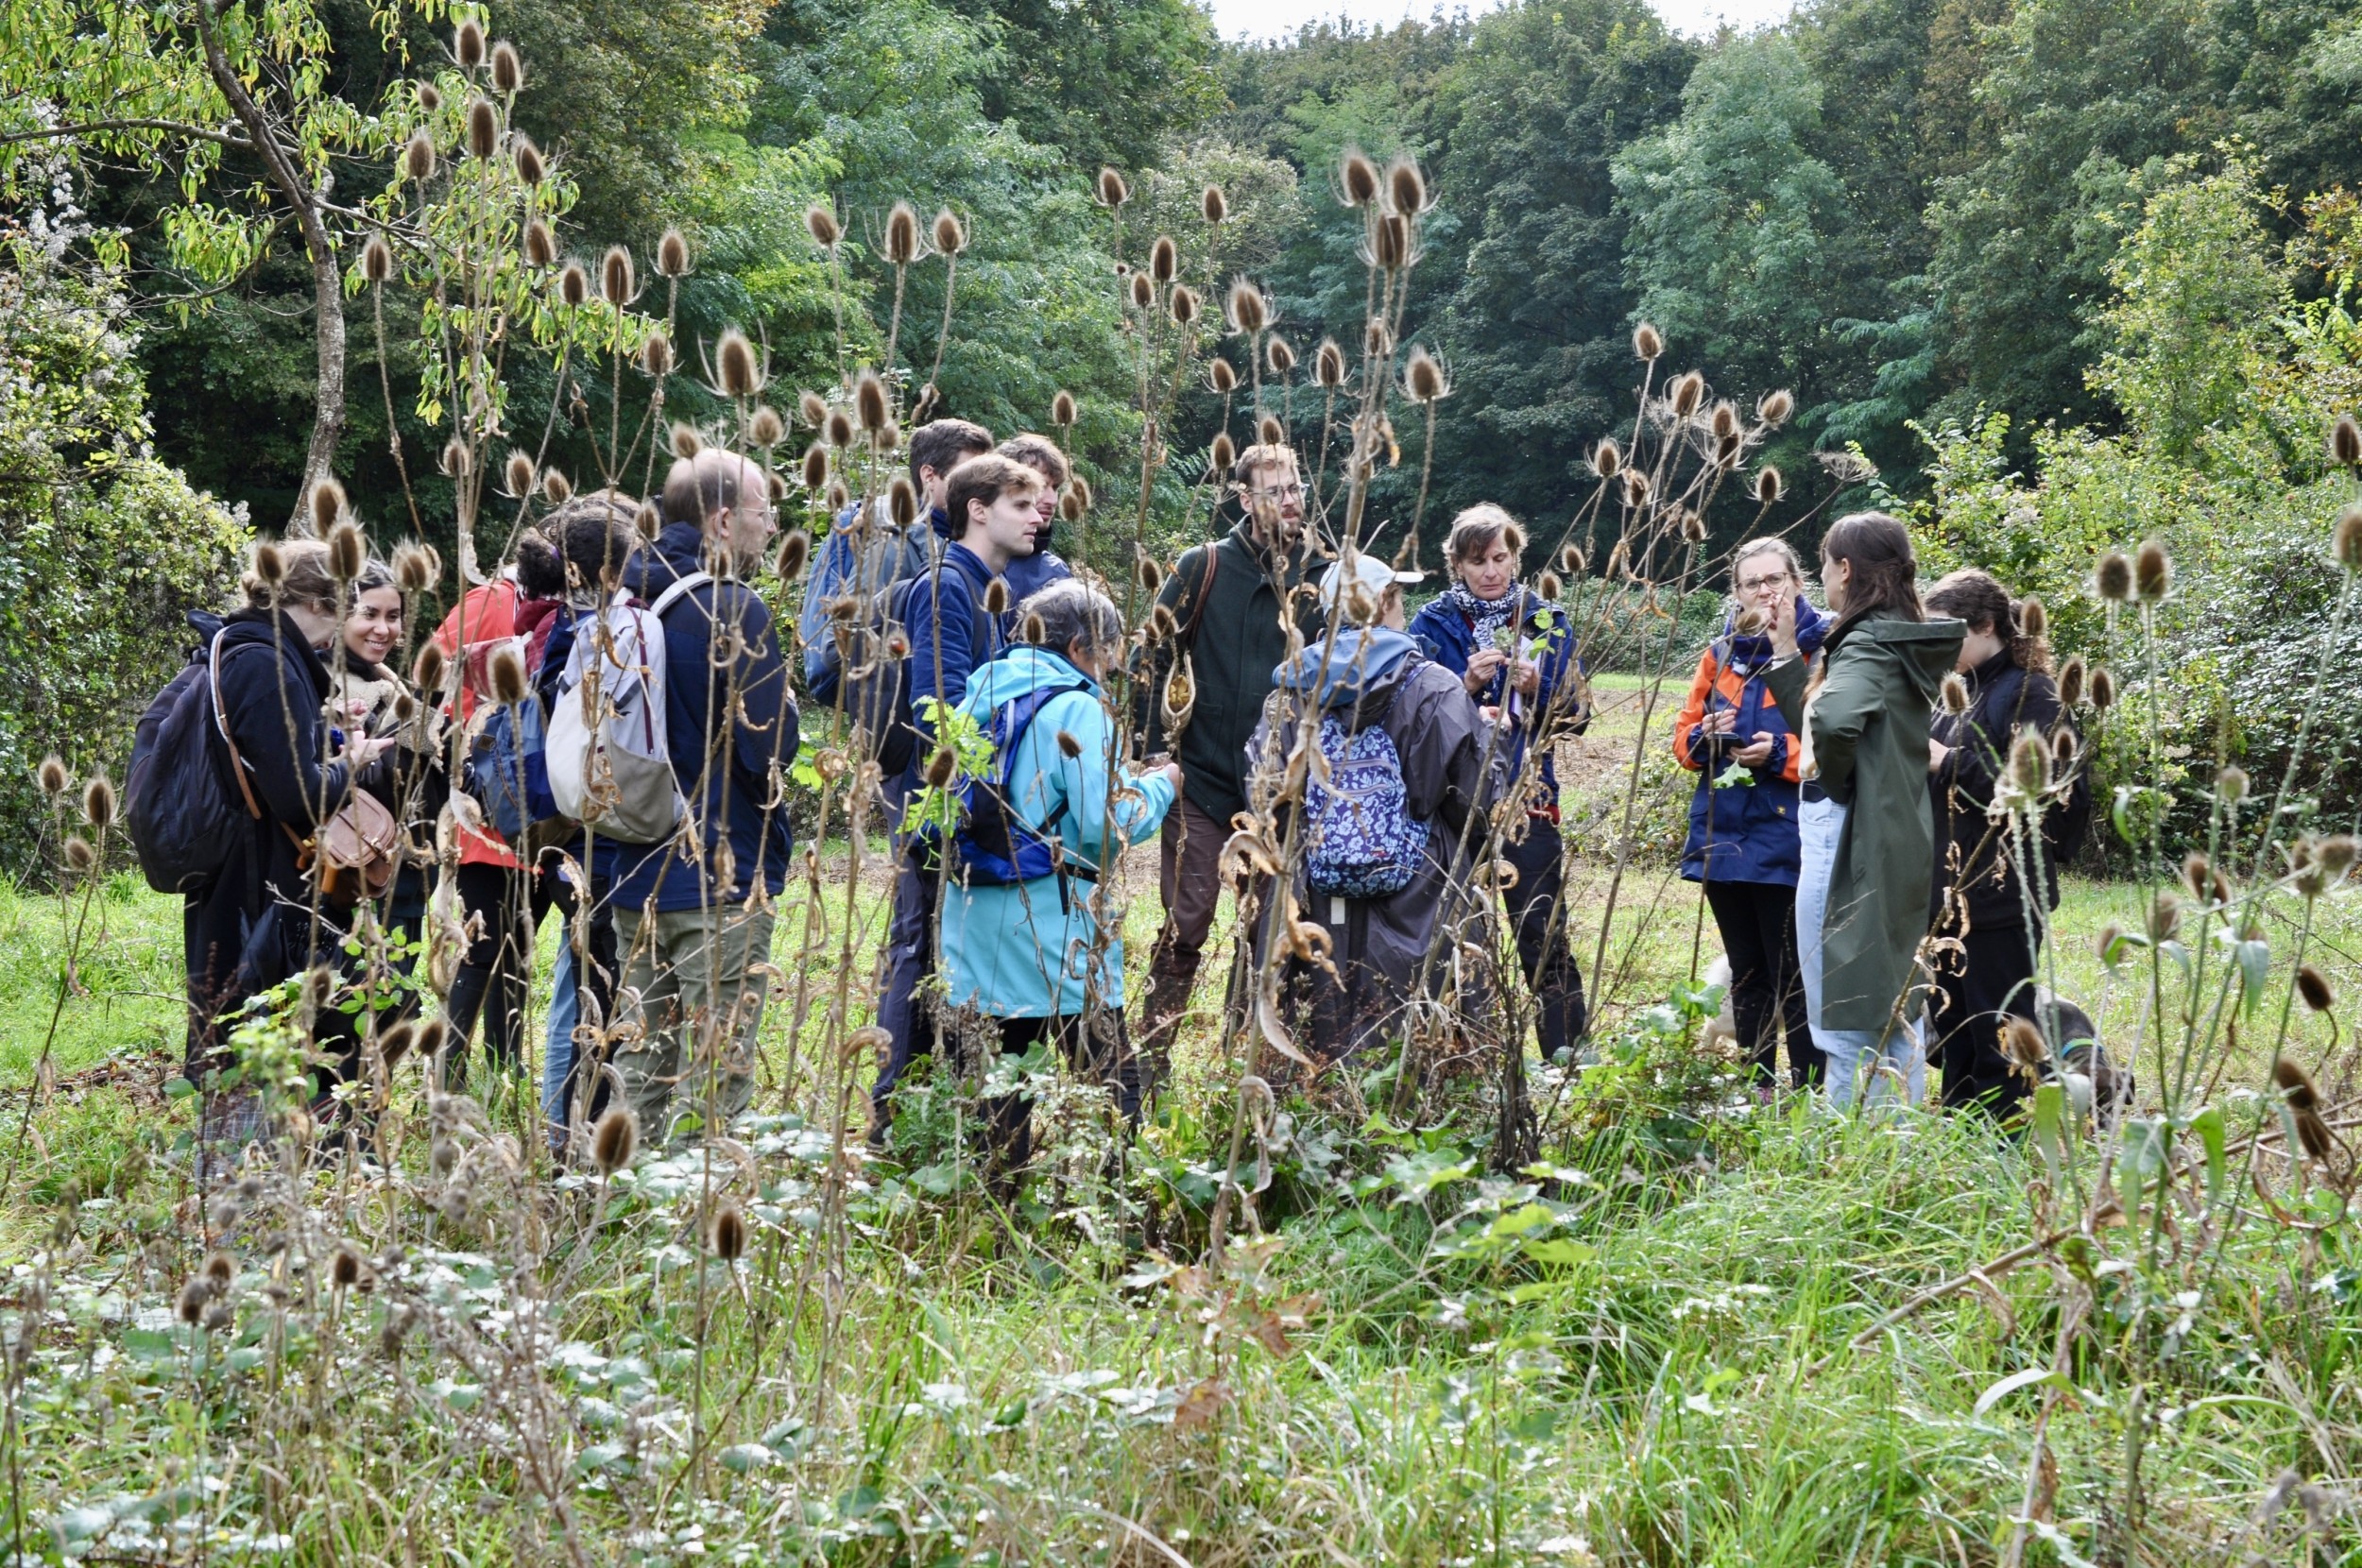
(1231, 602)
(1515, 654)
(1372, 675)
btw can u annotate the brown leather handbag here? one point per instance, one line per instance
(351, 855)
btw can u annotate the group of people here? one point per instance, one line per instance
(1844, 816)
(1374, 787)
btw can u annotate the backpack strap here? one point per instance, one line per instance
(1205, 591)
(221, 722)
(681, 587)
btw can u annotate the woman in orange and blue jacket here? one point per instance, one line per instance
(1744, 840)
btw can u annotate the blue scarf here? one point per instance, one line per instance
(1485, 616)
(1745, 654)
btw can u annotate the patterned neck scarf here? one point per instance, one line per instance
(1485, 616)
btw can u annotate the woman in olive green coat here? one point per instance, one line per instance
(1868, 837)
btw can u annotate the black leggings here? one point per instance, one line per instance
(1758, 924)
(1545, 934)
(1103, 1055)
(1977, 992)
(509, 902)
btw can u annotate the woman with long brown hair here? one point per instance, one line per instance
(1868, 835)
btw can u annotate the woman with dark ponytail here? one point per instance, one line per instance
(1982, 898)
(1868, 834)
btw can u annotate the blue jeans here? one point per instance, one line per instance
(1885, 1054)
(558, 1062)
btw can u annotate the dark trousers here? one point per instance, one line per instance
(508, 901)
(910, 957)
(1101, 1054)
(1995, 982)
(1189, 878)
(1758, 924)
(1545, 943)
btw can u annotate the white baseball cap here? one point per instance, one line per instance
(1371, 573)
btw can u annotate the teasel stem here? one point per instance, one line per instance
(2270, 819)
(894, 322)
(943, 334)
(1426, 467)
(393, 426)
(654, 419)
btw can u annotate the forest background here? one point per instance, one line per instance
(2041, 274)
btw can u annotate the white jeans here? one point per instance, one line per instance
(1888, 1055)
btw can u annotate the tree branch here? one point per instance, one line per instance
(89, 127)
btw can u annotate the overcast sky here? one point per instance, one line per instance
(1276, 18)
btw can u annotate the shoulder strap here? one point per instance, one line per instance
(221, 721)
(673, 595)
(1205, 592)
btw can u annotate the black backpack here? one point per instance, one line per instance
(874, 689)
(182, 816)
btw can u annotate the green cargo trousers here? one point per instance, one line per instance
(698, 1005)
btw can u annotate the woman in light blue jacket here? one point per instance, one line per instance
(1021, 944)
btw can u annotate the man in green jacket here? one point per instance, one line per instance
(1231, 602)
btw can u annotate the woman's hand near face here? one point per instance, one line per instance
(1783, 626)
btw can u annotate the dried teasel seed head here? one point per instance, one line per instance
(1269, 432)
(2072, 675)
(815, 466)
(1647, 342)
(672, 255)
(729, 1232)
(1223, 377)
(774, 485)
(1162, 623)
(377, 259)
(997, 596)
(1607, 458)
(1406, 188)
(529, 165)
(53, 775)
(1768, 485)
(2198, 873)
(1390, 243)
(840, 427)
(1356, 179)
(1423, 377)
(2165, 918)
(346, 551)
(516, 474)
(812, 409)
(616, 283)
(2345, 442)
(765, 427)
(1113, 192)
(2033, 617)
(951, 235)
(2153, 571)
(1694, 527)
(1687, 391)
(686, 441)
(2295, 1084)
(427, 671)
(418, 158)
(2022, 1043)
(794, 551)
(396, 1042)
(2029, 762)
(1081, 489)
(574, 284)
(540, 243)
(902, 502)
(1246, 307)
(941, 768)
(1069, 747)
(1377, 339)
(1954, 693)
(870, 403)
(2336, 854)
(2231, 784)
(1570, 560)
(736, 366)
(1184, 303)
(2104, 944)
(79, 856)
(432, 1036)
(1725, 419)
(484, 128)
(1637, 488)
(2345, 541)
(467, 44)
(1773, 408)
(269, 565)
(1070, 507)
(614, 1139)
(2113, 577)
(2065, 750)
(839, 496)
(556, 487)
(1328, 364)
(190, 1306)
(1062, 409)
(1213, 204)
(1550, 588)
(1152, 575)
(820, 223)
(2313, 987)
(1032, 628)
(656, 354)
(902, 234)
(430, 97)
(1279, 356)
(344, 1268)
(1221, 455)
(457, 459)
(328, 509)
(1751, 622)
(2103, 689)
(221, 1270)
(506, 672)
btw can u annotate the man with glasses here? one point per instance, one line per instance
(1232, 601)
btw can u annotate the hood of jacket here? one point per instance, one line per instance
(1022, 669)
(1362, 661)
(1922, 650)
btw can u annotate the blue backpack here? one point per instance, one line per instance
(994, 846)
(1360, 840)
(508, 769)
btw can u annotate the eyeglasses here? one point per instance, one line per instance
(1756, 584)
(1276, 492)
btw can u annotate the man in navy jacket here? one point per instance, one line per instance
(693, 915)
